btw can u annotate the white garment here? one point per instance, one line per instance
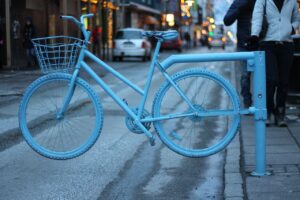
(279, 23)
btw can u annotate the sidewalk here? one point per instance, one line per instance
(282, 162)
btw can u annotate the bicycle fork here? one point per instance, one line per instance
(68, 97)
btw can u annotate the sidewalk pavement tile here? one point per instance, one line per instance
(282, 160)
(278, 158)
(285, 148)
(233, 190)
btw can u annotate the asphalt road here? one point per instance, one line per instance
(121, 165)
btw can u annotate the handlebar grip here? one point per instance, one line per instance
(89, 15)
(86, 16)
(63, 17)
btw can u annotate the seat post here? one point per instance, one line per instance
(157, 48)
(149, 78)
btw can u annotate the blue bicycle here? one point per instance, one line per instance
(56, 107)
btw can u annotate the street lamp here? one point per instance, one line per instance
(212, 20)
(170, 19)
(189, 2)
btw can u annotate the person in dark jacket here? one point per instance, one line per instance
(241, 11)
(28, 34)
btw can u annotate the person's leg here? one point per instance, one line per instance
(245, 86)
(241, 66)
(285, 61)
(28, 57)
(271, 74)
(33, 57)
(245, 83)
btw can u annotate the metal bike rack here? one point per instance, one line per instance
(256, 64)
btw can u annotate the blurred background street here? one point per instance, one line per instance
(123, 165)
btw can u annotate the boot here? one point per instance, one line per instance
(269, 119)
(280, 117)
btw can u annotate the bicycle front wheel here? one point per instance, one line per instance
(204, 126)
(60, 137)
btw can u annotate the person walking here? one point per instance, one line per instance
(241, 11)
(187, 39)
(283, 19)
(28, 34)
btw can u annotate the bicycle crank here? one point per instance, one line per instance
(131, 124)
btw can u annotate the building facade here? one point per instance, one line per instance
(45, 16)
(110, 15)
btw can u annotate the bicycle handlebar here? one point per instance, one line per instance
(86, 16)
(80, 23)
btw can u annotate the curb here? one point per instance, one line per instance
(233, 178)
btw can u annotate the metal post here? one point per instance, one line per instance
(65, 12)
(99, 25)
(78, 15)
(260, 115)
(8, 40)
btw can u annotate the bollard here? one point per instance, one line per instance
(260, 115)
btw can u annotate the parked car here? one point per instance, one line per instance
(129, 42)
(217, 40)
(175, 44)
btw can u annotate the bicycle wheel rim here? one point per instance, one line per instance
(197, 136)
(64, 138)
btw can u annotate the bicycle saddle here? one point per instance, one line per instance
(161, 35)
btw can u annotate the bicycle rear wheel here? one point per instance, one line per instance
(66, 137)
(208, 125)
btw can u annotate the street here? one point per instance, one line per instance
(121, 165)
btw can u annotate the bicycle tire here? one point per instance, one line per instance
(178, 134)
(64, 138)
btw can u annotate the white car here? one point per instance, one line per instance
(129, 42)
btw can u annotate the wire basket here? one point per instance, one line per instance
(57, 53)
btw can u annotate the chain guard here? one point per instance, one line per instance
(131, 124)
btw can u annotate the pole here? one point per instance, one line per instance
(65, 12)
(99, 25)
(8, 39)
(260, 115)
(78, 16)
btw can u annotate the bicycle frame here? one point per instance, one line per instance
(144, 93)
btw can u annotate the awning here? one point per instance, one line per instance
(141, 7)
(151, 20)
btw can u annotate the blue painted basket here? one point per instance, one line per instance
(57, 53)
